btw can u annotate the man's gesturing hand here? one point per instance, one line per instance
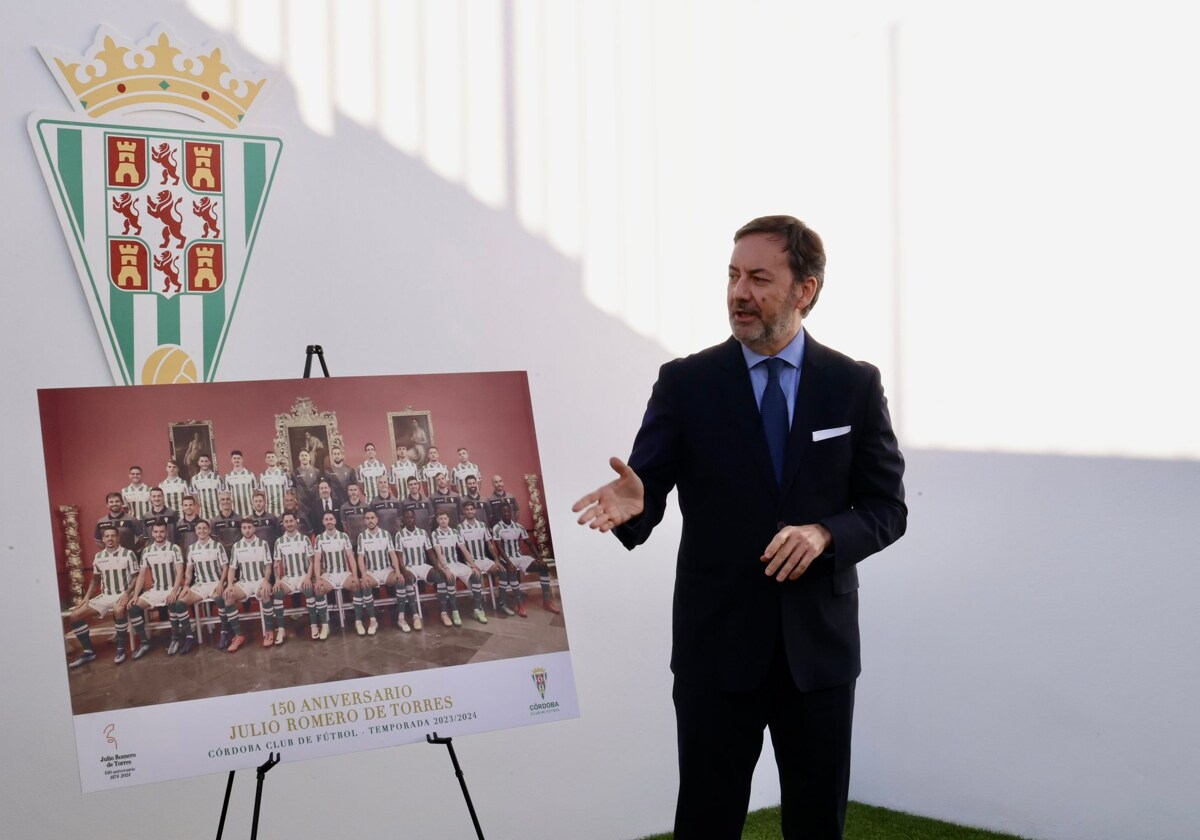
(793, 549)
(615, 503)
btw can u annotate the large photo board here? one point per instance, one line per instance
(245, 568)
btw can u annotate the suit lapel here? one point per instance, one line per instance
(743, 408)
(808, 396)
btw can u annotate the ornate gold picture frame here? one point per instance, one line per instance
(188, 440)
(305, 428)
(413, 429)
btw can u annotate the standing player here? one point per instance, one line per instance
(421, 509)
(499, 498)
(353, 512)
(387, 507)
(380, 567)
(206, 485)
(460, 565)
(371, 473)
(204, 578)
(248, 575)
(433, 468)
(115, 569)
(445, 499)
(185, 525)
(305, 481)
(240, 482)
(471, 494)
(476, 536)
(129, 528)
(159, 511)
(137, 495)
(464, 468)
(274, 482)
(166, 569)
(334, 568)
(340, 474)
(174, 488)
(404, 469)
(266, 524)
(293, 574)
(292, 505)
(509, 535)
(415, 549)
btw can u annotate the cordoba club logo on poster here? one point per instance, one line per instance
(160, 191)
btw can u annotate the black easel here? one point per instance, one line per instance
(319, 352)
(263, 769)
(462, 782)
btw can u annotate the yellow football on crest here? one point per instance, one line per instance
(169, 365)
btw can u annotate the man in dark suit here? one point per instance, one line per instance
(788, 474)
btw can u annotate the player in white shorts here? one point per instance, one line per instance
(379, 567)
(248, 575)
(165, 561)
(334, 568)
(415, 550)
(114, 569)
(293, 574)
(509, 536)
(476, 537)
(204, 579)
(461, 565)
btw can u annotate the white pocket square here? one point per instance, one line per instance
(824, 434)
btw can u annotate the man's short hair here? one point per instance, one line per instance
(113, 495)
(246, 520)
(805, 250)
(108, 528)
(236, 452)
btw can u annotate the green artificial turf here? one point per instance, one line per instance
(866, 822)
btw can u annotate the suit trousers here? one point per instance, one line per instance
(720, 738)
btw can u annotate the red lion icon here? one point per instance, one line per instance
(207, 210)
(127, 207)
(166, 211)
(168, 264)
(164, 155)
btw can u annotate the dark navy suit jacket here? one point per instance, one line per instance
(702, 435)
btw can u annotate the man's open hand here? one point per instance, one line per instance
(615, 503)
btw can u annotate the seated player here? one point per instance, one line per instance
(404, 469)
(129, 528)
(414, 501)
(432, 469)
(114, 568)
(509, 535)
(240, 482)
(248, 575)
(420, 559)
(476, 536)
(165, 562)
(266, 524)
(371, 472)
(463, 469)
(352, 512)
(274, 481)
(293, 575)
(204, 579)
(334, 567)
(137, 495)
(159, 511)
(174, 488)
(206, 485)
(379, 567)
(460, 565)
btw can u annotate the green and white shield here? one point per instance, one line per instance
(160, 223)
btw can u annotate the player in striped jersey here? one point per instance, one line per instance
(248, 575)
(471, 494)
(352, 512)
(206, 485)
(293, 574)
(460, 565)
(129, 528)
(432, 469)
(334, 567)
(477, 537)
(204, 579)
(371, 473)
(185, 525)
(114, 569)
(379, 567)
(404, 469)
(274, 482)
(160, 512)
(509, 535)
(266, 524)
(422, 510)
(165, 562)
(415, 549)
(340, 474)
(174, 488)
(464, 468)
(137, 495)
(240, 482)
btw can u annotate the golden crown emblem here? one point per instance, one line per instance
(155, 74)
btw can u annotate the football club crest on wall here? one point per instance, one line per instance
(160, 191)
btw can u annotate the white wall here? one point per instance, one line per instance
(1008, 203)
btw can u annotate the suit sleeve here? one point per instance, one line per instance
(877, 515)
(655, 458)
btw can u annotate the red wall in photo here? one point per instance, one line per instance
(93, 435)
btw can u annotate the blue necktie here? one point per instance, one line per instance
(775, 416)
